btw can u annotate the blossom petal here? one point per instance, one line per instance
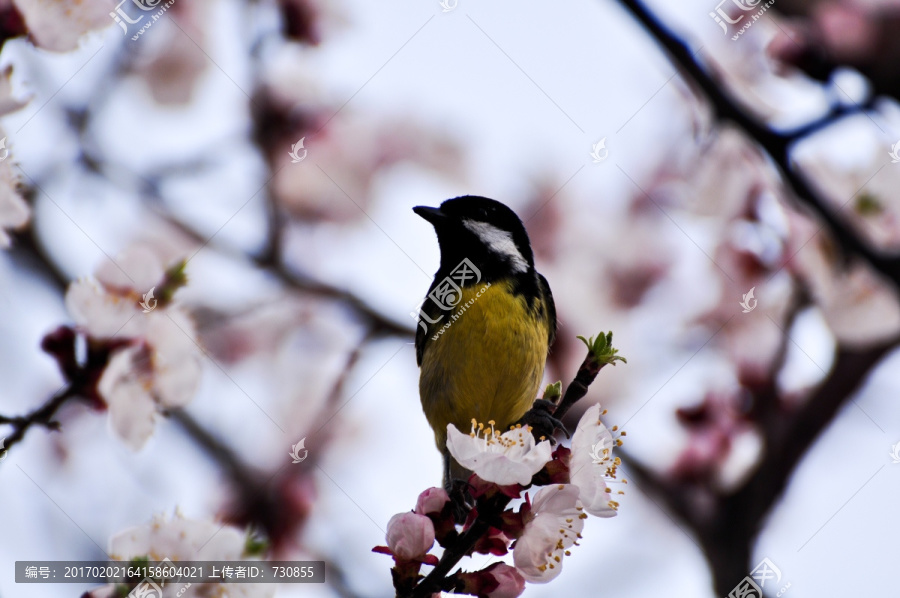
(463, 447)
(138, 267)
(592, 438)
(504, 459)
(534, 550)
(176, 364)
(182, 539)
(558, 520)
(132, 409)
(14, 212)
(432, 500)
(8, 101)
(102, 314)
(178, 538)
(510, 583)
(57, 25)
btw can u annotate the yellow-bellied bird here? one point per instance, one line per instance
(486, 324)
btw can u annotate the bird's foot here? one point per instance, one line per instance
(461, 501)
(540, 418)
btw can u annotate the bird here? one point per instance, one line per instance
(486, 325)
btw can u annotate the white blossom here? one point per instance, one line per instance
(555, 525)
(181, 539)
(509, 458)
(14, 212)
(160, 366)
(58, 25)
(592, 466)
(163, 371)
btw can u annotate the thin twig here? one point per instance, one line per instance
(379, 324)
(42, 416)
(576, 390)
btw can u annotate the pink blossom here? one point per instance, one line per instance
(509, 582)
(497, 581)
(432, 500)
(410, 536)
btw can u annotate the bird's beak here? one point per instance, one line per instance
(432, 215)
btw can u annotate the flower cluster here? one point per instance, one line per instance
(508, 458)
(181, 539)
(540, 532)
(142, 353)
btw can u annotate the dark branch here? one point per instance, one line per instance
(727, 523)
(217, 450)
(28, 249)
(789, 436)
(435, 581)
(42, 416)
(776, 144)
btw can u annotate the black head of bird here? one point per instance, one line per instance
(482, 230)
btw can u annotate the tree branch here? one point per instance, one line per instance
(788, 438)
(776, 144)
(379, 324)
(435, 581)
(42, 416)
(726, 525)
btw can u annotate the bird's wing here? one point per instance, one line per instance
(551, 307)
(424, 333)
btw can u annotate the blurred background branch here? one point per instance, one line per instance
(293, 323)
(727, 523)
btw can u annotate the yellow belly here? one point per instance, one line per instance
(488, 364)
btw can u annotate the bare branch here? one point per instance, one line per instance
(41, 417)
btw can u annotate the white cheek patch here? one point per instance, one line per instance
(499, 242)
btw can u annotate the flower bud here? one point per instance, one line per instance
(432, 501)
(497, 581)
(410, 536)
